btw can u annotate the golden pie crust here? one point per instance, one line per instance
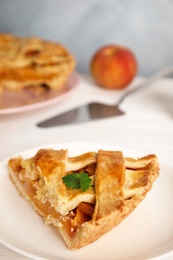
(33, 63)
(119, 184)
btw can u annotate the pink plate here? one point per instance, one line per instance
(26, 100)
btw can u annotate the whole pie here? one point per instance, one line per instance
(84, 196)
(33, 62)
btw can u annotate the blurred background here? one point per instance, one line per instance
(144, 26)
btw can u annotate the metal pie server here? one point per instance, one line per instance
(95, 111)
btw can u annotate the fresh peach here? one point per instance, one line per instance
(113, 66)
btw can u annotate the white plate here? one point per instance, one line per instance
(147, 233)
(18, 101)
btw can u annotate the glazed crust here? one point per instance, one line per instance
(33, 61)
(120, 185)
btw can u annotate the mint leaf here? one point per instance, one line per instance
(85, 181)
(77, 181)
(72, 181)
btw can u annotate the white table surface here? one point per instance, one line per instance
(149, 113)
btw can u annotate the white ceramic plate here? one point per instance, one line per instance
(147, 233)
(15, 102)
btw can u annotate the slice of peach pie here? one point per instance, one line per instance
(84, 196)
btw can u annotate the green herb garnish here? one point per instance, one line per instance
(77, 181)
